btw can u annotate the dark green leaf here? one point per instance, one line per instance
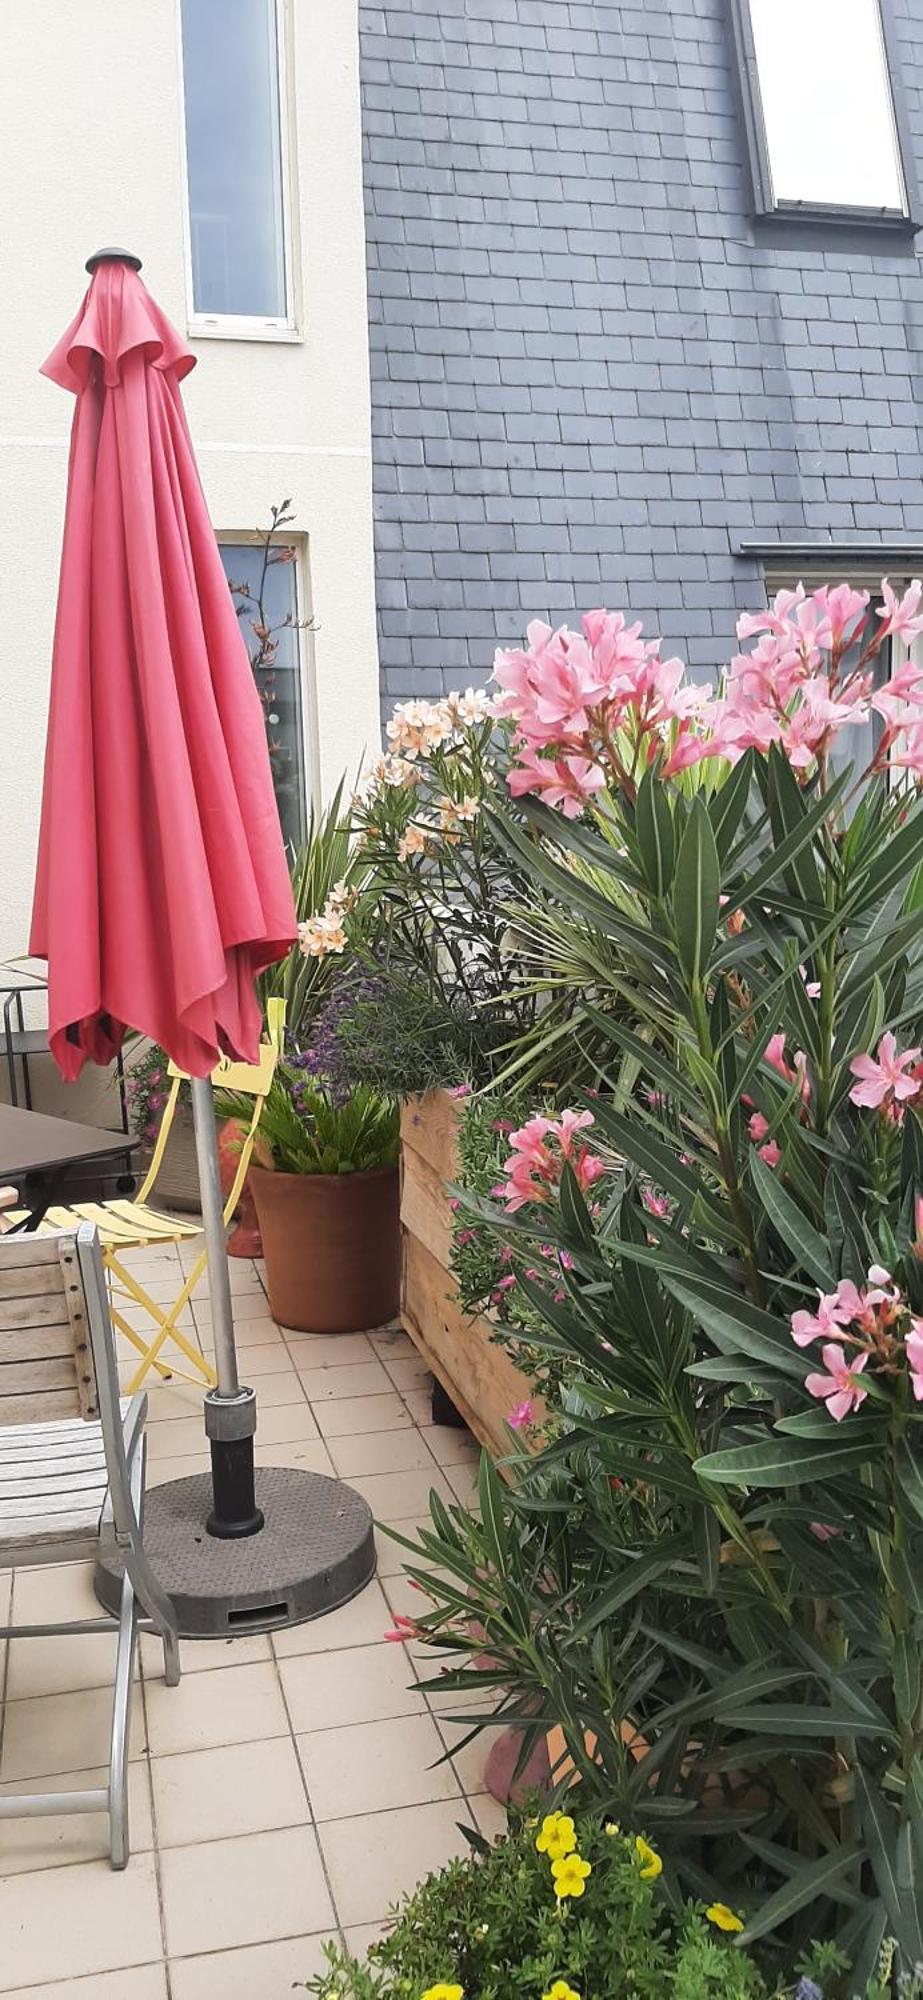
(796, 1231)
(696, 888)
(780, 1462)
(654, 829)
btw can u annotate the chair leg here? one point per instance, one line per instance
(148, 1591)
(119, 1848)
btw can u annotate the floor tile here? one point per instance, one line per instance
(367, 1378)
(222, 1893)
(490, 1816)
(374, 1860)
(407, 1371)
(284, 1423)
(463, 1480)
(263, 1358)
(328, 1350)
(391, 1340)
(171, 1401)
(450, 1446)
(358, 1937)
(277, 1388)
(61, 1732)
(63, 1923)
(374, 1766)
(353, 1416)
(381, 1451)
(145, 1982)
(302, 1454)
(159, 1470)
(247, 1306)
(394, 1495)
(364, 1684)
(62, 1664)
(213, 1794)
(419, 1404)
(58, 1590)
(58, 1840)
(469, 1761)
(257, 1972)
(226, 1705)
(178, 1437)
(361, 1622)
(391, 1556)
(198, 1655)
(253, 1322)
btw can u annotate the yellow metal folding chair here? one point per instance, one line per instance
(135, 1225)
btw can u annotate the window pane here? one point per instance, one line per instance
(278, 677)
(234, 156)
(827, 105)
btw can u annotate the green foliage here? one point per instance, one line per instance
(765, 1634)
(327, 858)
(491, 1927)
(309, 1133)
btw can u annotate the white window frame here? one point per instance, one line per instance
(765, 203)
(252, 326)
(304, 647)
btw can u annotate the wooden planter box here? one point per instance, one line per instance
(484, 1384)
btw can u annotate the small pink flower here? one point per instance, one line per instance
(656, 1204)
(403, 1630)
(464, 1237)
(522, 1417)
(915, 1357)
(771, 1153)
(901, 615)
(504, 1285)
(839, 1388)
(884, 1081)
(460, 1090)
(454, 1203)
(822, 1532)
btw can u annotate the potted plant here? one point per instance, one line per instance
(568, 1909)
(329, 1209)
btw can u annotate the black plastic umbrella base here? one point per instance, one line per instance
(315, 1551)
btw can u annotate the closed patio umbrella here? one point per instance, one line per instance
(162, 885)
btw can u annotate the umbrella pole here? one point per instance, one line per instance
(230, 1411)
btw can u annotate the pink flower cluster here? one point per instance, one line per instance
(875, 1322)
(573, 695)
(595, 707)
(540, 1150)
(889, 1082)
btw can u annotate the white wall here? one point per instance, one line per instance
(90, 154)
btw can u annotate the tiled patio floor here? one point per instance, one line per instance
(289, 1786)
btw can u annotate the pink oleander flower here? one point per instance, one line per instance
(840, 1388)
(403, 1630)
(769, 1149)
(869, 1309)
(883, 1082)
(901, 615)
(915, 1357)
(774, 1054)
(565, 782)
(540, 1149)
(656, 1204)
(464, 1237)
(521, 1418)
(459, 1090)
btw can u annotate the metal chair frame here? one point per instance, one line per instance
(121, 1525)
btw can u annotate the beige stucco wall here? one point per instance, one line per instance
(91, 153)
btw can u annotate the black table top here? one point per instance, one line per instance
(22, 977)
(33, 1143)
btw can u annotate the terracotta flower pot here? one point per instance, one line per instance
(244, 1239)
(332, 1247)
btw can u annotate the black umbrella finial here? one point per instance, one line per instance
(110, 255)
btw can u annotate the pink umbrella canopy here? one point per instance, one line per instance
(162, 886)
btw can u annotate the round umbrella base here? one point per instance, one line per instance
(316, 1551)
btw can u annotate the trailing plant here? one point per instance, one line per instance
(147, 1085)
(563, 1910)
(329, 878)
(743, 1320)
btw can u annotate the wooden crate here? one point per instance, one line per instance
(482, 1380)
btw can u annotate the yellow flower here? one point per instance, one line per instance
(570, 1875)
(651, 1864)
(612, 1828)
(557, 1836)
(560, 1991)
(718, 1913)
(444, 1992)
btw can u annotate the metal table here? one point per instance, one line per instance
(37, 1152)
(15, 980)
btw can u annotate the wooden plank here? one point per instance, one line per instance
(35, 1343)
(17, 1378)
(429, 1126)
(42, 1309)
(78, 1314)
(24, 1534)
(41, 1439)
(425, 1210)
(93, 1480)
(478, 1374)
(30, 1280)
(19, 1251)
(88, 1505)
(42, 1406)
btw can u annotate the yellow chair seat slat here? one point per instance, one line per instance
(111, 1230)
(152, 1221)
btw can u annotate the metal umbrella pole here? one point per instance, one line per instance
(230, 1410)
